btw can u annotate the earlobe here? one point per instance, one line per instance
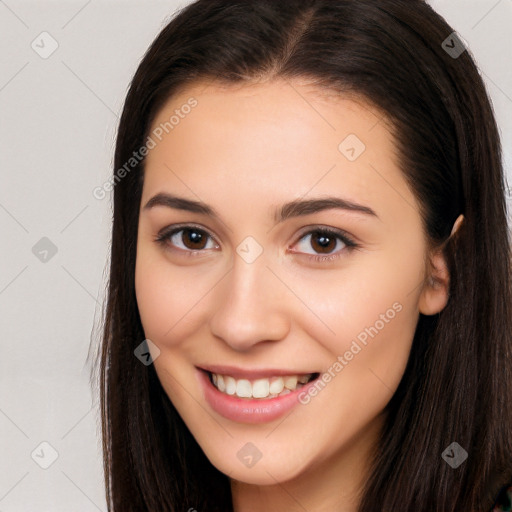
(435, 293)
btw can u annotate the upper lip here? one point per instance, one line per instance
(250, 373)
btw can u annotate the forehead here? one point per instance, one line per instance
(272, 142)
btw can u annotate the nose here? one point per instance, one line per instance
(251, 306)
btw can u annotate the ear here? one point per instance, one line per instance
(435, 293)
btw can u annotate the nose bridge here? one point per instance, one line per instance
(251, 305)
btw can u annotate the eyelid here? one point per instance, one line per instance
(348, 241)
(165, 234)
(341, 233)
(168, 231)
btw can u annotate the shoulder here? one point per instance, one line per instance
(504, 500)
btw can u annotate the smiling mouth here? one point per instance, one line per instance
(264, 388)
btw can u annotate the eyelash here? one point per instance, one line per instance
(164, 236)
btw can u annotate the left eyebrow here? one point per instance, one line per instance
(286, 211)
(309, 206)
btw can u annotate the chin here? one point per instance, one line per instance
(274, 465)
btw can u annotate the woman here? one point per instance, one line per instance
(309, 304)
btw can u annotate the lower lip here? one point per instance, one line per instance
(244, 410)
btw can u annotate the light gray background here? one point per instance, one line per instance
(58, 118)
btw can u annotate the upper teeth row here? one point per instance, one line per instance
(259, 388)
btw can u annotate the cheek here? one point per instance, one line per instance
(171, 299)
(371, 310)
(165, 300)
(154, 298)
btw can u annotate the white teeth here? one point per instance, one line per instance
(259, 388)
(290, 382)
(277, 386)
(220, 383)
(230, 385)
(243, 388)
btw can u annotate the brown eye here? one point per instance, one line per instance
(323, 243)
(187, 239)
(193, 238)
(326, 244)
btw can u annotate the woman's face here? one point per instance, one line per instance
(291, 248)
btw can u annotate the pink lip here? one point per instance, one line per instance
(243, 410)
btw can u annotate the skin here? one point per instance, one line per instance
(245, 150)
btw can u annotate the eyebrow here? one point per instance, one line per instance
(286, 211)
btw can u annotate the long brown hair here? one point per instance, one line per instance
(457, 386)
